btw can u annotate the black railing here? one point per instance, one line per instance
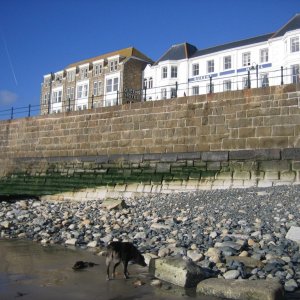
(252, 77)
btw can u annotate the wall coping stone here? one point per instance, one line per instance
(259, 154)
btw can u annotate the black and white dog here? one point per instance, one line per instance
(124, 252)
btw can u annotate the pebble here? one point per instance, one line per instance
(204, 226)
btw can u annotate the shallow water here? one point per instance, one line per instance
(31, 271)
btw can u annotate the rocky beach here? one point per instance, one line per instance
(236, 233)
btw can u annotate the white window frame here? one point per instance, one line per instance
(195, 90)
(246, 59)
(84, 72)
(97, 69)
(82, 91)
(70, 76)
(70, 93)
(294, 44)
(145, 84)
(112, 84)
(174, 70)
(150, 83)
(113, 65)
(227, 62)
(57, 96)
(210, 66)
(295, 73)
(164, 72)
(264, 55)
(195, 69)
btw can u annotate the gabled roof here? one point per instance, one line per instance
(292, 24)
(177, 52)
(249, 41)
(126, 52)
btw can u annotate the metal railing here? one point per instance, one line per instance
(252, 77)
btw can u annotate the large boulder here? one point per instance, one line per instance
(177, 271)
(110, 203)
(241, 289)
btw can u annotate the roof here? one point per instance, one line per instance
(292, 24)
(126, 52)
(249, 41)
(177, 52)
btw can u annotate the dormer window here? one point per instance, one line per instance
(113, 65)
(84, 73)
(97, 69)
(58, 77)
(70, 76)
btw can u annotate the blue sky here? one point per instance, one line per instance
(42, 36)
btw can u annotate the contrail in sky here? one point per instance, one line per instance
(9, 58)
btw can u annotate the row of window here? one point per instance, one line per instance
(112, 85)
(164, 72)
(227, 84)
(227, 62)
(83, 72)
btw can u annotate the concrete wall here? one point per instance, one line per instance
(240, 138)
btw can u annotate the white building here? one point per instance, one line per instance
(270, 59)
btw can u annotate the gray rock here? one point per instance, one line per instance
(232, 274)
(291, 285)
(294, 234)
(113, 204)
(177, 271)
(195, 255)
(241, 289)
(71, 242)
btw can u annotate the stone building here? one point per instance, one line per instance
(109, 79)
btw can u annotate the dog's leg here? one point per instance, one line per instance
(125, 264)
(108, 260)
(114, 269)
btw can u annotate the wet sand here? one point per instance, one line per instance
(31, 271)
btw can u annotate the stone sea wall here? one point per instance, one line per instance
(233, 139)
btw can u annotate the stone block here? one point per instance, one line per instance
(274, 165)
(293, 153)
(224, 175)
(271, 175)
(264, 183)
(168, 157)
(213, 166)
(215, 156)
(189, 155)
(242, 175)
(288, 176)
(177, 271)
(262, 154)
(163, 168)
(241, 289)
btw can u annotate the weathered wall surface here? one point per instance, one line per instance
(239, 138)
